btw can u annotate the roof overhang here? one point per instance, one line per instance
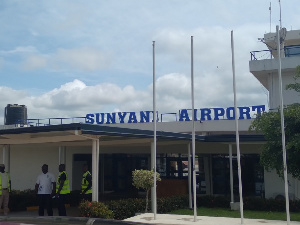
(82, 134)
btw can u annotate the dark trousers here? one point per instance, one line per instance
(45, 201)
(87, 197)
(61, 201)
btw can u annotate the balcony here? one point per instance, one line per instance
(289, 51)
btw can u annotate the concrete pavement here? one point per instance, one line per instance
(168, 219)
(31, 217)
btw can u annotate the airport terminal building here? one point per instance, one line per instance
(114, 144)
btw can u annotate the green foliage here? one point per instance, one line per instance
(250, 214)
(19, 200)
(296, 85)
(165, 205)
(126, 208)
(271, 205)
(210, 201)
(269, 124)
(95, 210)
(144, 179)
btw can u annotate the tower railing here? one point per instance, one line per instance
(289, 51)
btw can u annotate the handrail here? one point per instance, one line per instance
(289, 51)
(254, 53)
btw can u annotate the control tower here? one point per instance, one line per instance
(264, 65)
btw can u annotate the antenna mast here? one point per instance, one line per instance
(280, 14)
(270, 15)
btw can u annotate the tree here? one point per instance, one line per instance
(269, 124)
(144, 179)
(296, 85)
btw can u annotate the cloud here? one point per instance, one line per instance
(20, 49)
(86, 59)
(34, 62)
(82, 59)
(75, 98)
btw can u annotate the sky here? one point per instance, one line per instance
(68, 58)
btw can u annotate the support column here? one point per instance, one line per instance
(6, 157)
(190, 176)
(95, 168)
(208, 175)
(102, 179)
(62, 155)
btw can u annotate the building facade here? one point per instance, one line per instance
(124, 142)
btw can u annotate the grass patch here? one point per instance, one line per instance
(222, 212)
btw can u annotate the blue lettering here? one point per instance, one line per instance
(89, 118)
(122, 116)
(205, 113)
(98, 118)
(244, 111)
(144, 116)
(184, 115)
(110, 118)
(259, 108)
(132, 118)
(218, 112)
(228, 113)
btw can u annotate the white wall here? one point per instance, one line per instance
(26, 163)
(289, 96)
(27, 160)
(274, 185)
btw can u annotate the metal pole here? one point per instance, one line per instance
(190, 176)
(286, 188)
(231, 173)
(193, 132)
(97, 176)
(237, 134)
(154, 135)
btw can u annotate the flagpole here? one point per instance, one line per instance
(237, 133)
(193, 132)
(154, 136)
(286, 187)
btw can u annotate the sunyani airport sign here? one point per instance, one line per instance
(184, 115)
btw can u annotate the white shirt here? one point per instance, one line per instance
(45, 183)
(4, 180)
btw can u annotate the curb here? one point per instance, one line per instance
(63, 219)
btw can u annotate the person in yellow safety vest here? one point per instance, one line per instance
(5, 188)
(62, 189)
(86, 184)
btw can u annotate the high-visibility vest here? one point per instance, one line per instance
(85, 183)
(8, 179)
(66, 187)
